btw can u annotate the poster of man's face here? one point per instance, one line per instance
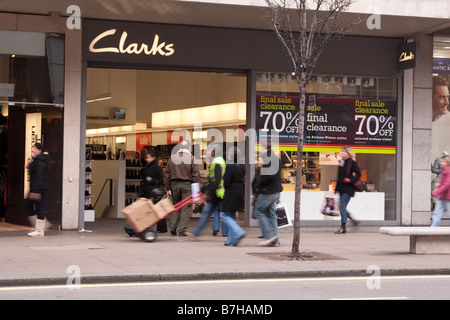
(440, 97)
(440, 126)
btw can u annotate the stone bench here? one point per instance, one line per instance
(423, 240)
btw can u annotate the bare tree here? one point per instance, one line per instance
(304, 31)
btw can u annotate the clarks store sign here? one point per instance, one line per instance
(133, 44)
(408, 56)
(157, 47)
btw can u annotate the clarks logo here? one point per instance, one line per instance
(162, 48)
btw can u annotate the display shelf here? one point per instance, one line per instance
(311, 169)
(89, 212)
(133, 179)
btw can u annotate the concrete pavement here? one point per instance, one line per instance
(107, 254)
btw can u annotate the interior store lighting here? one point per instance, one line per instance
(121, 139)
(117, 130)
(99, 97)
(228, 113)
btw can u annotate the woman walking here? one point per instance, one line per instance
(348, 173)
(233, 200)
(442, 193)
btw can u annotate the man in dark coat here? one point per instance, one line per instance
(153, 183)
(233, 200)
(269, 188)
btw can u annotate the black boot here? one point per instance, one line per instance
(342, 229)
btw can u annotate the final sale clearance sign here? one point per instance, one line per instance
(368, 126)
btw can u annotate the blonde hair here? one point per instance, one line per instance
(349, 150)
(446, 159)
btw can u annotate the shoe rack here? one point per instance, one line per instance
(89, 212)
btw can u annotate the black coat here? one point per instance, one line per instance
(354, 175)
(233, 181)
(270, 183)
(38, 174)
(153, 178)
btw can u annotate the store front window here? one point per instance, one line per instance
(360, 112)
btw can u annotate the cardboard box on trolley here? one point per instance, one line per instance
(143, 213)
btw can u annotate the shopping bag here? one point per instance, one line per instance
(283, 217)
(330, 206)
(253, 207)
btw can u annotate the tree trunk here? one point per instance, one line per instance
(295, 252)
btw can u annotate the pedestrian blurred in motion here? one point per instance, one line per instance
(268, 188)
(233, 201)
(442, 193)
(348, 173)
(181, 171)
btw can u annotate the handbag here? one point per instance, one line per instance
(330, 206)
(34, 196)
(358, 185)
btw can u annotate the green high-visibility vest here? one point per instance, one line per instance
(220, 191)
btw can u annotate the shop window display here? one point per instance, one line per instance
(360, 112)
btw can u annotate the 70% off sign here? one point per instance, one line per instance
(280, 121)
(375, 126)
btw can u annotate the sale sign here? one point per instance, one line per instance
(369, 126)
(278, 119)
(142, 140)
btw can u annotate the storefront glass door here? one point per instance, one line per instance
(31, 105)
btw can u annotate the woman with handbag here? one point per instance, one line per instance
(348, 174)
(38, 188)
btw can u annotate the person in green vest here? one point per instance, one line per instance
(213, 189)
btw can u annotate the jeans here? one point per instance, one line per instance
(235, 233)
(216, 223)
(208, 210)
(441, 205)
(344, 199)
(265, 210)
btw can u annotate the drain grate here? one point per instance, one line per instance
(305, 256)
